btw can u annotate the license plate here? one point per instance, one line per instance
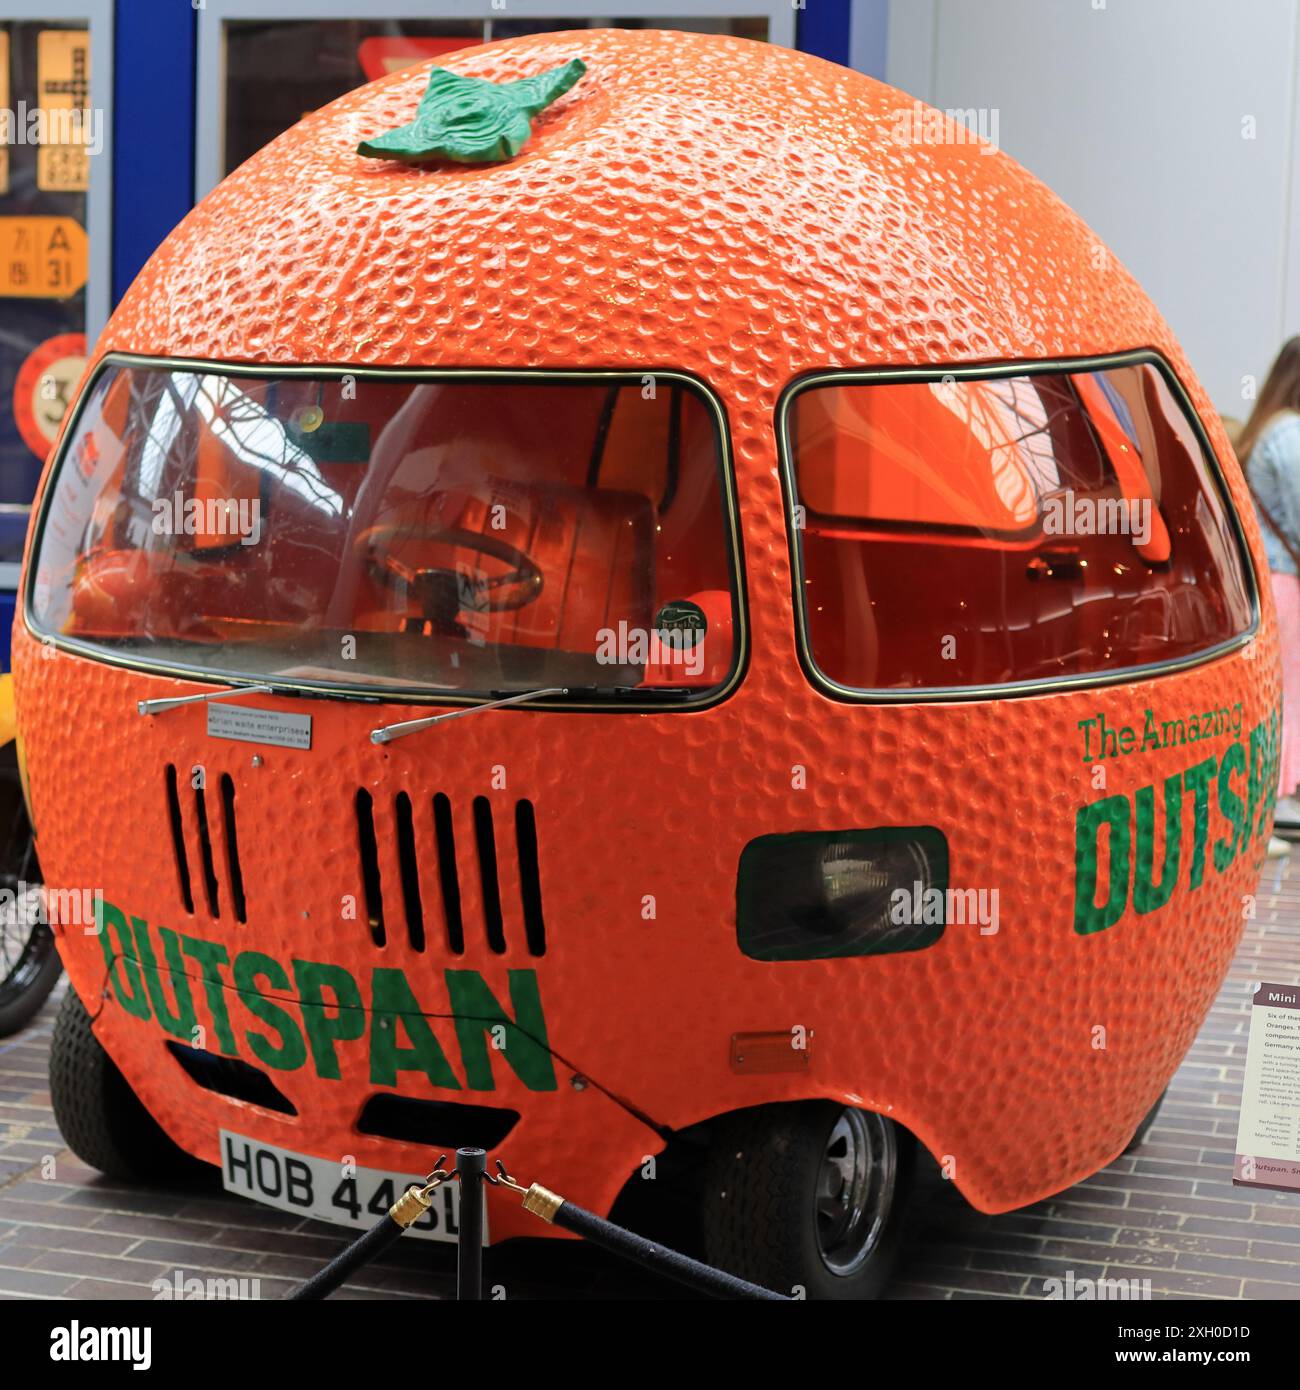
(327, 1191)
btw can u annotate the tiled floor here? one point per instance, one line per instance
(1168, 1213)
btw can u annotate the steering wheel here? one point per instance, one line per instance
(443, 592)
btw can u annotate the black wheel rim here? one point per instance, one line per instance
(856, 1180)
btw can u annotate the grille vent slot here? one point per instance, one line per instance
(489, 880)
(232, 848)
(193, 815)
(530, 877)
(369, 850)
(178, 839)
(441, 899)
(448, 878)
(411, 900)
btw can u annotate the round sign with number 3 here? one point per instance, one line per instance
(44, 387)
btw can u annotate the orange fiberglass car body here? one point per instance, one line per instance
(738, 218)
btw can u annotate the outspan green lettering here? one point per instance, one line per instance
(1197, 780)
(1148, 895)
(123, 968)
(324, 1029)
(396, 1008)
(524, 1038)
(1272, 767)
(1114, 812)
(1232, 806)
(1254, 756)
(401, 1030)
(291, 1053)
(1255, 783)
(180, 1022)
(211, 956)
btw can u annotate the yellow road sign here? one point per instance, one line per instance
(42, 257)
(63, 85)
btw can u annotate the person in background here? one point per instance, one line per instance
(1269, 447)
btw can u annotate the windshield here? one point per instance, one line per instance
(469, 534)
(975, 531)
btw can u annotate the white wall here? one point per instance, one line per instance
(1133, 110)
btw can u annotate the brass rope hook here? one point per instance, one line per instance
(539, 1200)
(415, 1201)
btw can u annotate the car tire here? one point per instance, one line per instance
(98, 1114)
(808, 1198)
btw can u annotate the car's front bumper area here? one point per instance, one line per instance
(375, 1087)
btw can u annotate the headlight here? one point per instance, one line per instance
(813, 895)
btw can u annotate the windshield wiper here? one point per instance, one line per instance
(389, 732)
(173, 701)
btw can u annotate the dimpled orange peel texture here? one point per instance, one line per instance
(745, 214)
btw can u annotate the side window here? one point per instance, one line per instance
(981, 531)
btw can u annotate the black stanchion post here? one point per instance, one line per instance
(471, 1164)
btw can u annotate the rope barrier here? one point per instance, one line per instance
(404, 1212)
(717, 1283)
(549, 1206)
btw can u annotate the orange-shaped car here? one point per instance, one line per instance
(690, 629)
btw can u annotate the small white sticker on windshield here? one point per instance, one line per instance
(247, 725)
